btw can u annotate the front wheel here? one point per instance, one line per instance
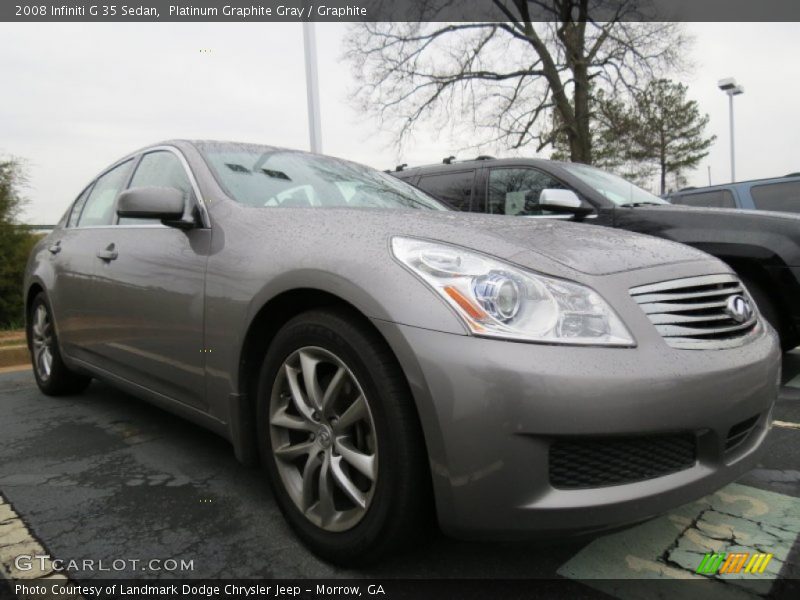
(340, 438)
(53, 377)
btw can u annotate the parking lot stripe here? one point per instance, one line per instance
(786, 424)
(737, 520)
(17, 540)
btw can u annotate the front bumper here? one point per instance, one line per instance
(491, 409)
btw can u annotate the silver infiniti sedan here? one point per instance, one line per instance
(387, 360)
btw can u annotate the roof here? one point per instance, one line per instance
(726, 186)
(447, 164)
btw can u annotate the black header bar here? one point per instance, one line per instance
(390, 10)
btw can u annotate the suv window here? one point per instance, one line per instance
(158, 169)
(783, 196)
(455, 189)
(99, 207)
(77, 207)
(712, 199)
(516, 191)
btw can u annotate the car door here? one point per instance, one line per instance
(454, 188)
(150, 291)
(74, 261)
(72, 275)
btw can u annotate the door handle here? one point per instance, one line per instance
(108, 254)
(55, 248)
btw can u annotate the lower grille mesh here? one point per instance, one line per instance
(600, 462)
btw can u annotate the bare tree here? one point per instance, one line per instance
(514, 82)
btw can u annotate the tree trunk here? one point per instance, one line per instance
(581, 146)
(572, 36)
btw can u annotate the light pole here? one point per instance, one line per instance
(312, 86)
(730, 87)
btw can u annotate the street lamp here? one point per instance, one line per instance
(730, 87)
(312, 86)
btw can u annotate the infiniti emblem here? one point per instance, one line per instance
(739, 309)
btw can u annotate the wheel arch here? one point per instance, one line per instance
(34, 288)
(261, 330)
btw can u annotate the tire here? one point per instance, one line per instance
(53, 377)
(768, 309)
(335, 345)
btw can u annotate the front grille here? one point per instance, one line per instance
(739, 433)
(693, 313)
(601, 462)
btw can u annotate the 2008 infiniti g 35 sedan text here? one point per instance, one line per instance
(383, 357)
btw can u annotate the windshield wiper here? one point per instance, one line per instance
(635, 204)
(275, 174)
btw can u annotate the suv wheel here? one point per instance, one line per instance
(340, 438)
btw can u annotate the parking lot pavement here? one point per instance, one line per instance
(105, 476)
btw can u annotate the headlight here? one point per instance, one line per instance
(496, 299)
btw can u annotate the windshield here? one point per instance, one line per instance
(272, 177)
(616, 189)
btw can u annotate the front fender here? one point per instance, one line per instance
(416, 305)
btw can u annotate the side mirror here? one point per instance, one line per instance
(166, 204)
(563, 201)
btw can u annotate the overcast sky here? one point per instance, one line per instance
(75, 97)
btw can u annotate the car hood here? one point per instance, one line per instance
(589, 249)
(718, 229)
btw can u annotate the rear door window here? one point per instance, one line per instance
(455, 189)
(712, 199)
(783, 196)
(77, 207)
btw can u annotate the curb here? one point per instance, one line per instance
(13, 356)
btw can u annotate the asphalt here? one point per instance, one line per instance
(103, 475)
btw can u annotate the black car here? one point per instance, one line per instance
(762, 247)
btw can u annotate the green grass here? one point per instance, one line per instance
(12, 326)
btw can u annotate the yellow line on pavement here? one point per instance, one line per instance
(786, 424)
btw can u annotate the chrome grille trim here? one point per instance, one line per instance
(660, 307)
(690, 313)
(674, 285)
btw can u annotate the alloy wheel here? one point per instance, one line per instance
(42, 338)
(323, 438)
